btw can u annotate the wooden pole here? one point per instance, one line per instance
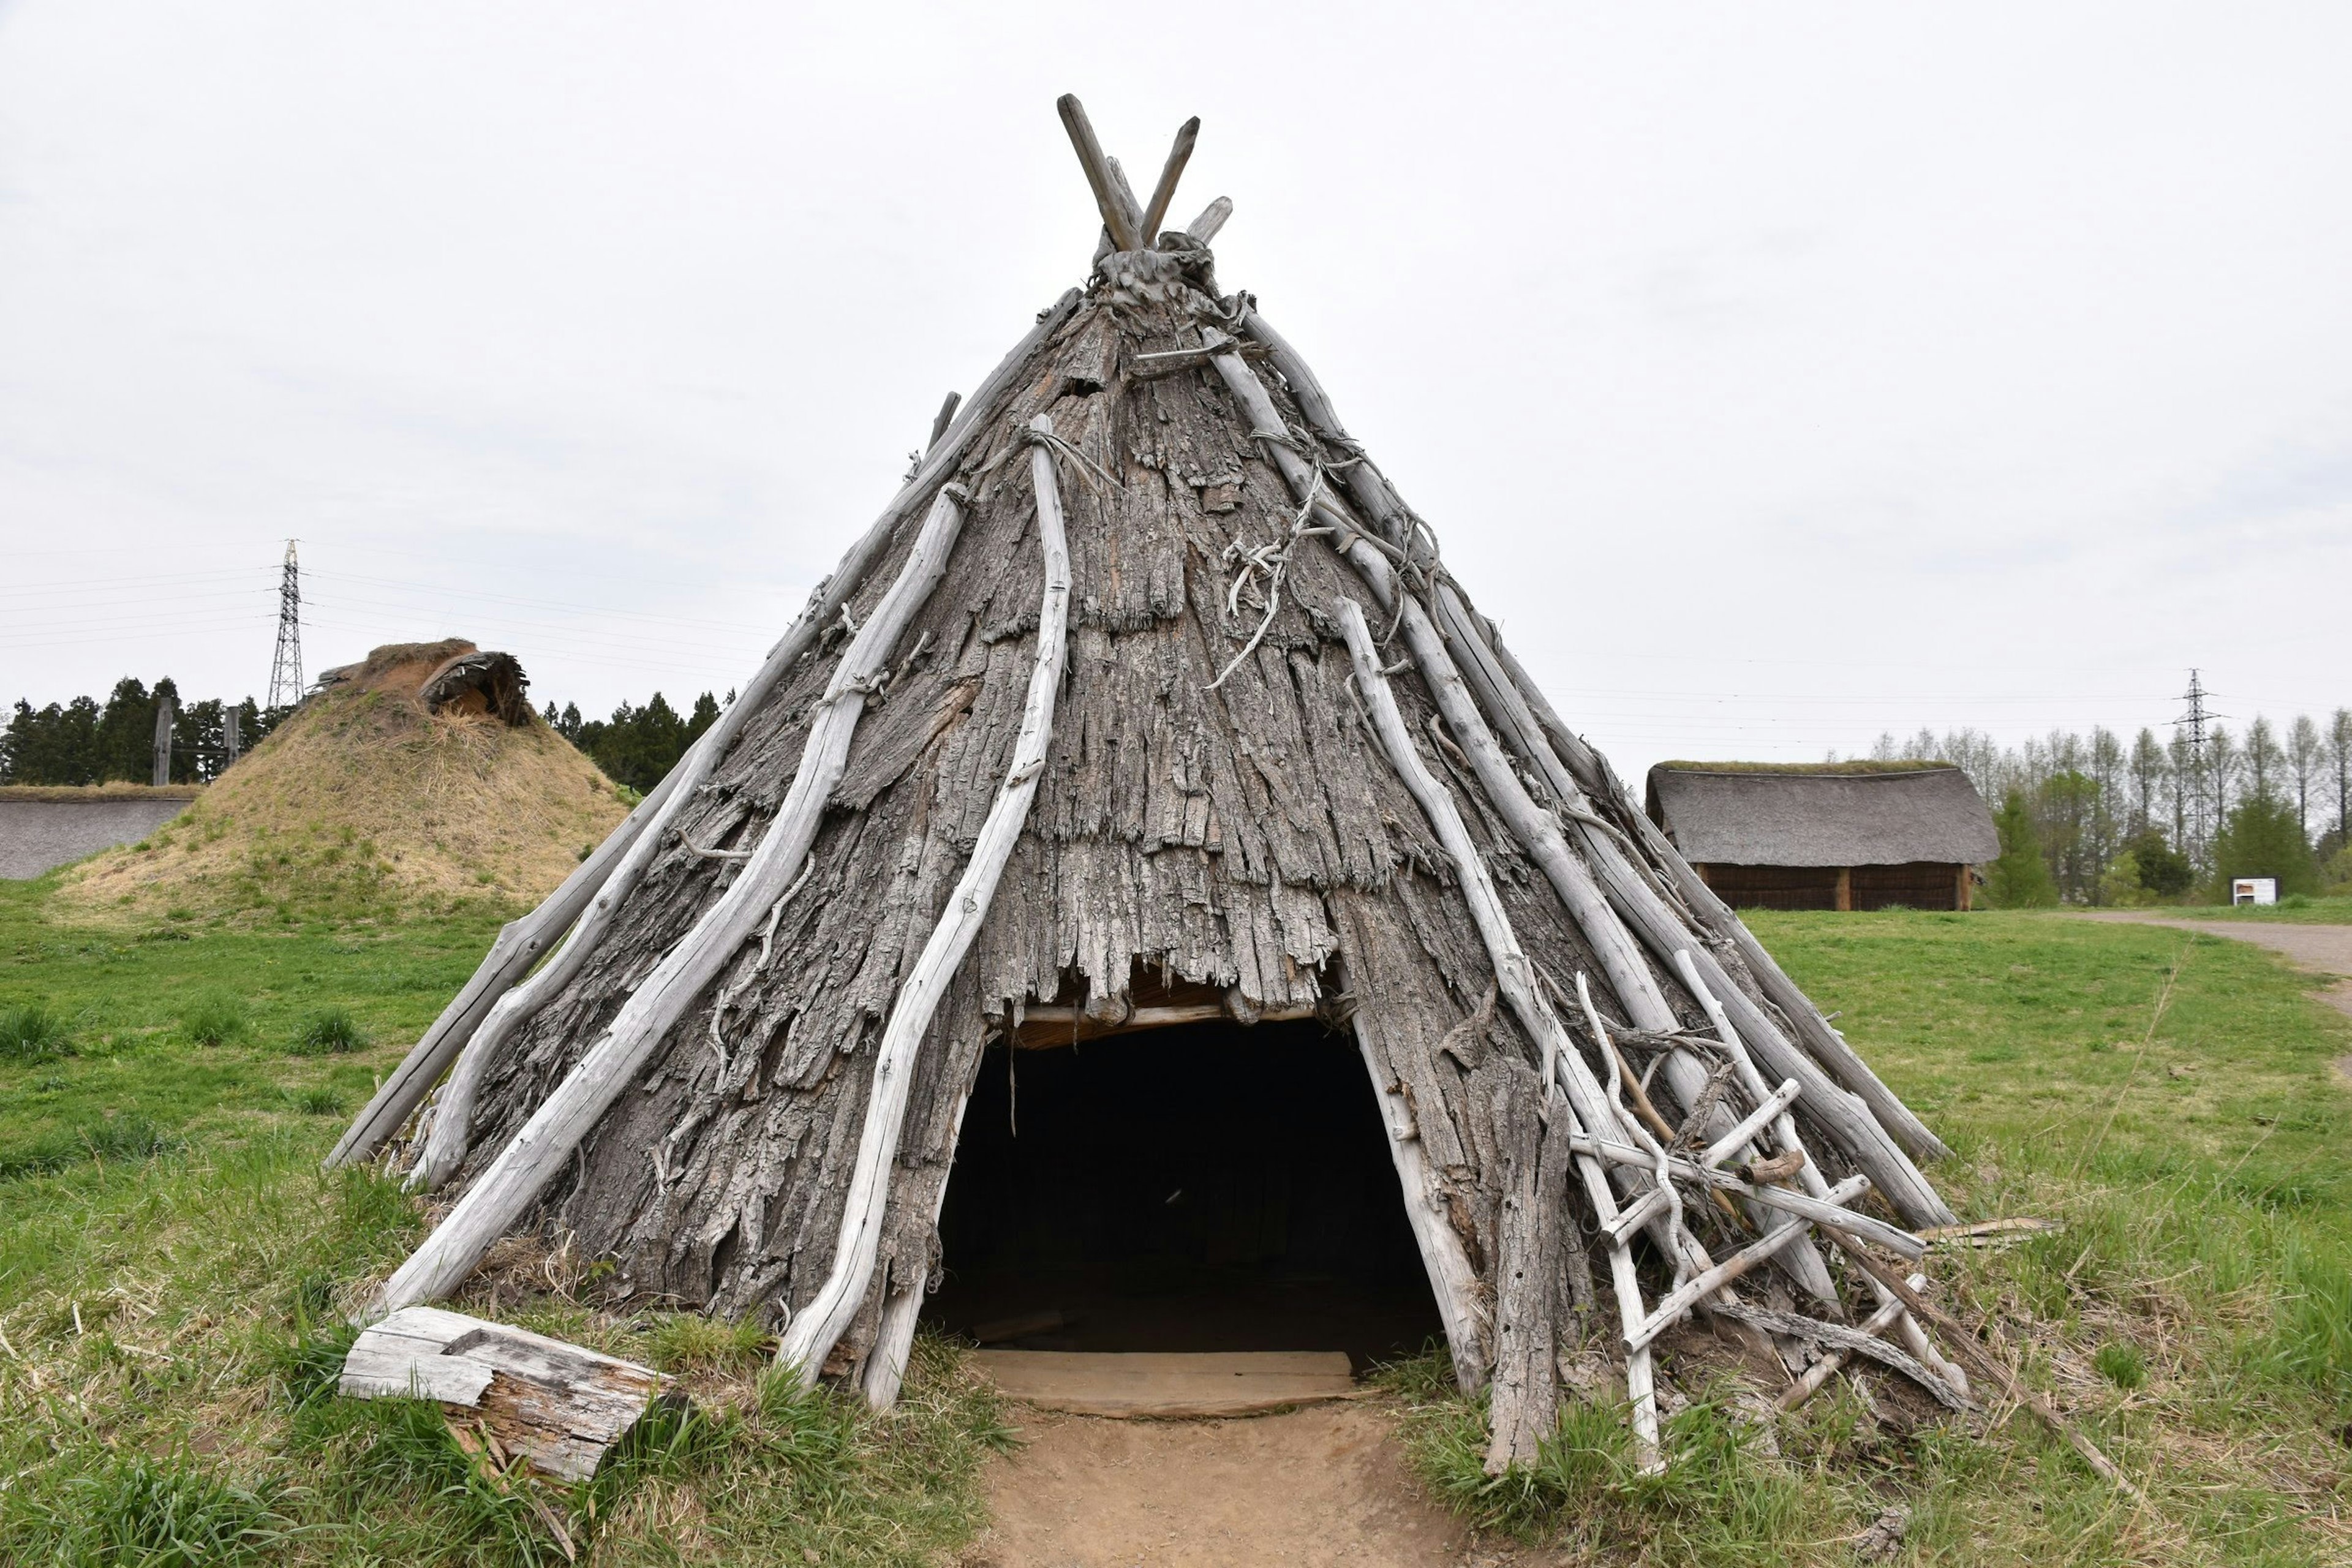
(1585, 1100)
(1518, 706)
(514, 1179)
(1843, 901)
(1213, 218)
(1116, 214)
(819, 1324)
(521, 943)
(1155, 212)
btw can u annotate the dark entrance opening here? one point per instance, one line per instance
(1207, 1187)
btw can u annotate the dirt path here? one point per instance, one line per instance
(1325, 1485)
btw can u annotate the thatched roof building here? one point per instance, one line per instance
(1147, 716)
(1831, 836)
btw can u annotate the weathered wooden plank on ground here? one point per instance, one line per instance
(558, 1405)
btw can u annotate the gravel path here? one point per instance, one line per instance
(37, 835)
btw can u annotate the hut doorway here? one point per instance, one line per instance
(1202, 1188)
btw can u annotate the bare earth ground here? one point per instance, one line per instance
(2323, 950)
(1323, 1485)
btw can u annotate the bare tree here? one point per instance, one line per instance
(2147, 770)
(2305, 752)
(2264, 762)
(2339, 753)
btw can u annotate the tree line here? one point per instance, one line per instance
(636, 745)
(87, 741)
(2093, 820)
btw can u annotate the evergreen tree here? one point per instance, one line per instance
(2260, 838)
(2021, 878)
(2163, 870)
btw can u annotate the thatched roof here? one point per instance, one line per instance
(1735, 815)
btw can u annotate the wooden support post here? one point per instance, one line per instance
(1962, 896)
(1116, 215)
(522, 943)
(819, 1324)
(1213, 218)
(514, 1180)
(1584, 1100)
(1516, 705)
(1843, 901)
(1452, 1281)
(1156, 212)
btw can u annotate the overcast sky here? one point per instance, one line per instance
(1776, 375)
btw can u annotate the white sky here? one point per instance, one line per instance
(1776, 374)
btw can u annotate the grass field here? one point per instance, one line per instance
(171, 1260)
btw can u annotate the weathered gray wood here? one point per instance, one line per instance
(1865, 1226)
(521, 943)
(1848, 1342)
(1116, 215)
(941, 420)
(1538, 1230)
(1213, 218)
(1155, 212)
(1584, 1102)
(1825, 1044)
(1133, 209)
(1677, 1304)
(1517, 707)
(497, 1199)
(812, 1334)
(1453, 1281)
(558, 1405)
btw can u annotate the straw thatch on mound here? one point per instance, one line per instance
(366, 801)
(1147, 690)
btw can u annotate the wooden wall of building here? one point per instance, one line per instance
(1920, 885)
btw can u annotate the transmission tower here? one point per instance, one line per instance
(286, 666)
(2192, 726)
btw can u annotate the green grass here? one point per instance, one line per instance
(2295, 909)
(2195, 1314)
(174, 1267)
(191, 1027)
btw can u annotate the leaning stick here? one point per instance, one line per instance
(1892, 1237)
(519, 944)
(1816, 1036)
(820, 1323)
(1991, 1365)
(1213, 218)
(1620, 958)
(1822, 1371)
(524, 941)
(1627, 971)
(1676, 1303)
(1155, 210)
(1518, 706)
(1586, 1104)
(1462, 1305)
(1844, 1342)
(1116, 215)
(514, 1180)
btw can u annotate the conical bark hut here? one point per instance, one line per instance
(1147, 683)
